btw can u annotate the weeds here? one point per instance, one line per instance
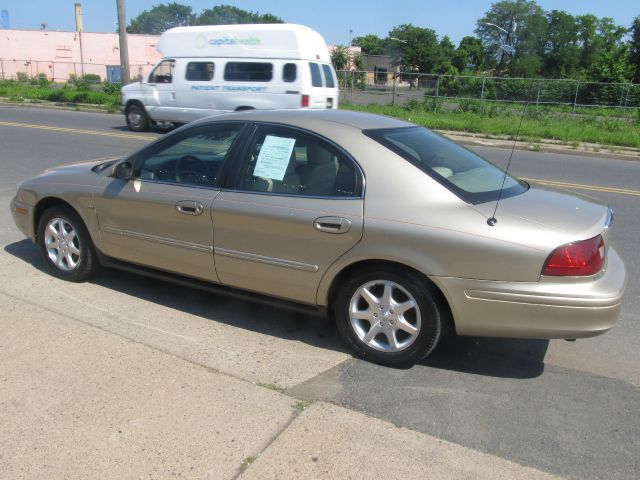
(504, 121)
(271, 386)
(246, 462)
(300, 405)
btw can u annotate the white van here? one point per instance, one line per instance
(209, 70)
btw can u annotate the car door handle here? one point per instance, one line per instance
(189, 207)
(332, 224)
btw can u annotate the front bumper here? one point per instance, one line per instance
(22, 216)
(554, 307)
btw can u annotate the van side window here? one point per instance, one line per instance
(248, 72)
(328, 76)
(289, 72)
(199, 71)
(163, 73)
(316, 76)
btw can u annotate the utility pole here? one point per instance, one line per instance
(79, 29)
(124, 49)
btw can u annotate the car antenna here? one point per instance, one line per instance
(492, 220)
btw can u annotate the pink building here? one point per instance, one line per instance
(58, 54)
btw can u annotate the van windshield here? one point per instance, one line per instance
(469, 176)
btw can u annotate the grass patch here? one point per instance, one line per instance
(246, 462)
(300, 405)
(535, 126)
(65, 93)
(271, 386)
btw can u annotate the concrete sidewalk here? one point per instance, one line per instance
(81, 402)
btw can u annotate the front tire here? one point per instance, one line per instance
(137, 119)
(391, 317)
(65, 245)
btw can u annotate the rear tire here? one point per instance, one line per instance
(391, 317)
(137, 119)
(65, 245)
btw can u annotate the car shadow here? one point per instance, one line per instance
(152, 129)
(315, 330)
(481, 356)
(494, 357)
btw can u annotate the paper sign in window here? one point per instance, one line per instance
(274, 157)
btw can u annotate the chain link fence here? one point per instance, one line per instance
(480, 94)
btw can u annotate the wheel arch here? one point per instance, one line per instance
(46, 203)
(370, 264)
(134, 101)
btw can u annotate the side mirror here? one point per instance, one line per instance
(122, 171)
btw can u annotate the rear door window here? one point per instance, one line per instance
(316, 76)
(328, 76)
(199, 71)
(281, 160)
(248, 72)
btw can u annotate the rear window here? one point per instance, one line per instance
(199, 71)
(328, 76)
(289, 72)
(316, 76)
(465, 173)
(248, 72)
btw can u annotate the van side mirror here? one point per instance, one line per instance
(122, 171)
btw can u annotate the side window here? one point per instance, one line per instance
(195, 159)
(289, 72)
(248, 72)
(199, 71)
(328, 76)
(290, 162)
(316, 76)
(163, 73)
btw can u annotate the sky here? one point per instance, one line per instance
(334, 19)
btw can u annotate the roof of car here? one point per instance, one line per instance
(312, 118)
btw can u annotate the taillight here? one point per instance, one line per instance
(305, 100)
(576, 258)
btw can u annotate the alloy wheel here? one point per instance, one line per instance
(62, 244)
(385, 316)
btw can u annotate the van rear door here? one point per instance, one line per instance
(324, 91)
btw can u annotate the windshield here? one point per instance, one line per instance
(465, 173)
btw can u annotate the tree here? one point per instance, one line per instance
(562, 52)
(520, 24)
(418, 47)
(229, 15)
(634, 49)
(446, 55)
(469, 54)
(340, 57)
(604, 55)
(160, 18)
(371, 44)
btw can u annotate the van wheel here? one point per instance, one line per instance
(391, 317)
(137, 119)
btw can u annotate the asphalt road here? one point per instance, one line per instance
(567, 408)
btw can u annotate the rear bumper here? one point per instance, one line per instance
(554, 307)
